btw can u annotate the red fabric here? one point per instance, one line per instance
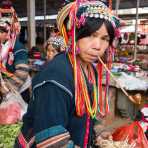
(87, 131)
(10, 113)
(22, 141)
(133, 133)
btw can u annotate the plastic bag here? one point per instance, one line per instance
(16, 96)
(10, 112)
(133, 134)
(12, 107)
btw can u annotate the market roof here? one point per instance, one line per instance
(54, 5)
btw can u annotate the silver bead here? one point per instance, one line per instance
(106, 17)
(96, 15)
(91, 15)
(101, 16)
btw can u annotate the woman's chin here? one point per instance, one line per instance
(93, 61)
(96, 61)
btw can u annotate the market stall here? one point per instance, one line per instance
(130, 75)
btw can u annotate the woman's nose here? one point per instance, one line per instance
(97, 44)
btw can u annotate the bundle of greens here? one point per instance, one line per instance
(8, 134)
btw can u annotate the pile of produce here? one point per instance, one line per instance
(105, 140)
(8, 134)
(115, 144)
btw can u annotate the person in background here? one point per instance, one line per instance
(35, 53)
(14, 56)
(66, 94)
(54, 31)
(53, 46)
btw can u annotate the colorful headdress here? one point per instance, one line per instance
(81, 10)
(73, 16)
(94, 9)
(8, 14)
(8, 23)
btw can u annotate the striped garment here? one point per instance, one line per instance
(54, 137)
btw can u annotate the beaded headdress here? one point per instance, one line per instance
(79, 11)
(56, 41)
(94, 9)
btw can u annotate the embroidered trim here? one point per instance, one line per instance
(63, 87)
(50, 132)
(20, 50)
(56, 83)
(58, 140)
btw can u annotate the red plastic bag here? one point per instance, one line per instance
(132, 133)
(10, 112)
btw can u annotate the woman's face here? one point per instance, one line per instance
(4, 36)
(93, 46)
(51, 52)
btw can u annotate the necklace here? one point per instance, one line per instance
(85, 103)
(82, 96)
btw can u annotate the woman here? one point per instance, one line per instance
(53, 46)
(13, 54)
(65, 95)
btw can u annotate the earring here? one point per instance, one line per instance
(77, 50)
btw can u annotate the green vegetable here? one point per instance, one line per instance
(8, 133)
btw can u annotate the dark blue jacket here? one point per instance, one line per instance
(53, 102)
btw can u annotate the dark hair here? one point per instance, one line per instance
(92, 25)
(3, 29)
(5, 4)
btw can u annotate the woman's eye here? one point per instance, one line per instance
(94, 35)
(106, 39)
